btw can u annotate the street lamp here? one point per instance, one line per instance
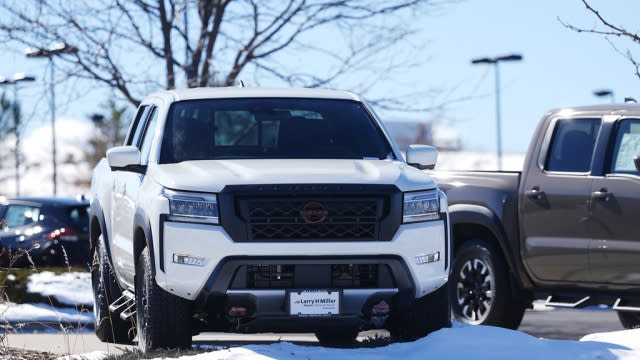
(495, 61)
(605, 93)
(17, 77)
(56, 49)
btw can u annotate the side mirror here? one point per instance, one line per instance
(125, 158)
(636, 161)
(422, 156)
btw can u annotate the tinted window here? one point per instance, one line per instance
(78, 214)
(271, 128)
(138, 126)
(626, 147)
(21, 215)
(572, 145)
(145, 146)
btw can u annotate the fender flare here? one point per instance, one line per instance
(141, 221)
(98, 214)
(483, 216)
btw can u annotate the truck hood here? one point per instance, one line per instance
(213, 175)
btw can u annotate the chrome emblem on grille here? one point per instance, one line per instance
(314, 212)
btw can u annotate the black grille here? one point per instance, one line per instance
(354, 276)
(310, 212)
(322, 219)
(270, 276)
(328, 276)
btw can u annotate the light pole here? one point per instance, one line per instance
(605, 93)
(18, 77)
(495, 61)
(53, 50)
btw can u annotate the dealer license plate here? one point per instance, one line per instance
(314, 302)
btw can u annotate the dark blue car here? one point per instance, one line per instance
(45, 231)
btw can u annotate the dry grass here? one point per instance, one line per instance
(13, 289)
(20, 354)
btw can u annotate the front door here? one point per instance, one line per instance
(125, 197)
(553, 204)
(615, 249)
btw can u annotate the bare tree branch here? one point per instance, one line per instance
(134, 46)
(610, 30)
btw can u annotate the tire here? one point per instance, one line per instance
(481, 292)
(163, 320)
(629, 319)
(337, 337)
(109, 327)
(426, 315)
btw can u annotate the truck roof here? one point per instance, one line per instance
(599, 110)
(244, 92)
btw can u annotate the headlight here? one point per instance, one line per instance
(421, 206)
(193, 207)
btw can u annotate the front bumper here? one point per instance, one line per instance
(213, 248)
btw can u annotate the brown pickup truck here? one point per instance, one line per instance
(566, 229)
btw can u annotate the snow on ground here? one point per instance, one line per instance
(27, 314)
(72, 288)
(463, 342)
(628, 338)
(459, 342)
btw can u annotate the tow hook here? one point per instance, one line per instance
(236, 313)
(379, 313)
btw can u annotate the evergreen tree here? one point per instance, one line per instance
(110, 131)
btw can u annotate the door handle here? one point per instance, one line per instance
(603, 194)
(535, 193)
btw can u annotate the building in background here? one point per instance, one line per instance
(442, 136)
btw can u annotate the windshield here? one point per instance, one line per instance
(283, 128)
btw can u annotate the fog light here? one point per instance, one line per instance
(427, 258)
(188, 260)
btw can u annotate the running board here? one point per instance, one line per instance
(125, 303)
(567, 304)
(616, 306)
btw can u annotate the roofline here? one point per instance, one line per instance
(249, 92)
(45, 200)
(627, 109)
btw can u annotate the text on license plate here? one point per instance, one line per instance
(314, 302)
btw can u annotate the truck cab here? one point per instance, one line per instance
(563, 230)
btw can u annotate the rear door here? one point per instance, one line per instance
(615, 249)
(554, 199)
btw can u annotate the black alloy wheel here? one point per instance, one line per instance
(482, 292)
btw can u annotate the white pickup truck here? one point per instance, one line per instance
(265, 210)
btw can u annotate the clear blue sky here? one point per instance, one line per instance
(560, 67)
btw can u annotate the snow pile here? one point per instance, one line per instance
(73, 172)
(72, 288)
(464, 342)
(626, 338)
(459, 342)
(31, 314)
